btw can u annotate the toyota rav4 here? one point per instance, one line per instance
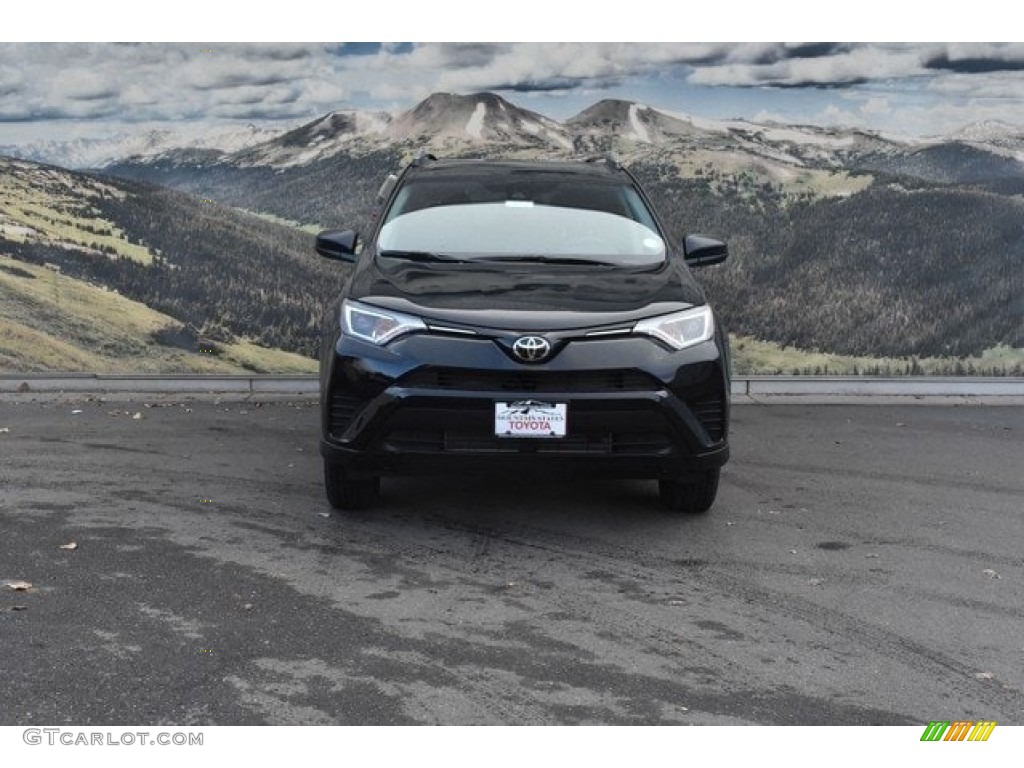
(522, 316)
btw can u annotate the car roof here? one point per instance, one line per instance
(483, 167)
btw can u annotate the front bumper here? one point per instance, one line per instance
(426, 404)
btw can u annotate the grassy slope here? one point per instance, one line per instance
(51, 205)
(312, 229)
(752, 356)
(51, 322)
(755, 171)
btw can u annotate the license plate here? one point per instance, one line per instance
(530, 418)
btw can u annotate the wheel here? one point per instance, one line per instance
(694, 495)
(345, 492)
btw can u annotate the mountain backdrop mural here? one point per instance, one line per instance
(852, 251)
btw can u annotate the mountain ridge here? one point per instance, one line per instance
(486, 118)
(95, 152)
(800, 159)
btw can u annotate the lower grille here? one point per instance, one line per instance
(625, 380)
(479, 441)
(710, 412)
(343, 409)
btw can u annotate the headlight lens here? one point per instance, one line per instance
(377, 326)
(680, 329)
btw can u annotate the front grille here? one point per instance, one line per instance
(625, 380)
(710, 412)
(343, 409)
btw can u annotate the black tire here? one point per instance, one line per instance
(693, 496)
(344, 492)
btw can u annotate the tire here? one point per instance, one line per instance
(344, 492)
(692, 496)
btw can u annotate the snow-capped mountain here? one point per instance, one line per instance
(478, 118)
(994, 135)
(440, 120)
(797, 159)
(319, 139)
(989, 131)
(630, 120)
(145, 144)
(764, 144)
(455, 124)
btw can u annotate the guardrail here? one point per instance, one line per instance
(753, 386)
(873, 386)
(156, 383)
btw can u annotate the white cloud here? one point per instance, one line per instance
(860, 64)
(994, 85)
(878, 105)
(874, 83)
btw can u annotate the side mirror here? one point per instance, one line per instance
(699, 251)
(337, 244)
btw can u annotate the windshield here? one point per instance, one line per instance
(529, 216)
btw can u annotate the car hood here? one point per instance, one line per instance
(526, 296)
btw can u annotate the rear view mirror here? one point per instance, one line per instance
(337, 244)
(699, 251)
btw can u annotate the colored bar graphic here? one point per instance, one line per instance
(982, 730)
(958, 730)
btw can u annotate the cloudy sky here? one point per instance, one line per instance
(62, 90)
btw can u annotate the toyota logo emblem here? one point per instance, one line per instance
(531, 349)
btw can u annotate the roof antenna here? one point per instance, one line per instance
(423, 157)
(611, 160)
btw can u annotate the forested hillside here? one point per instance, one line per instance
(899, 269)
(338, 192)
(224, 275)
(904, 267)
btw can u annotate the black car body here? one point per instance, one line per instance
(522, 315)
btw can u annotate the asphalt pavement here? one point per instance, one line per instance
(864, 564)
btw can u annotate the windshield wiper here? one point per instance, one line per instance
(421, 256)
(538, 259)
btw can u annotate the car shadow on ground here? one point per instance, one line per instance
(569, 502)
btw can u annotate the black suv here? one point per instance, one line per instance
(511, 315)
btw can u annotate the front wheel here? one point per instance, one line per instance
(694, 495)
(346, 492)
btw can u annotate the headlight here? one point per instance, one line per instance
(377, 326)
(680, 329)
